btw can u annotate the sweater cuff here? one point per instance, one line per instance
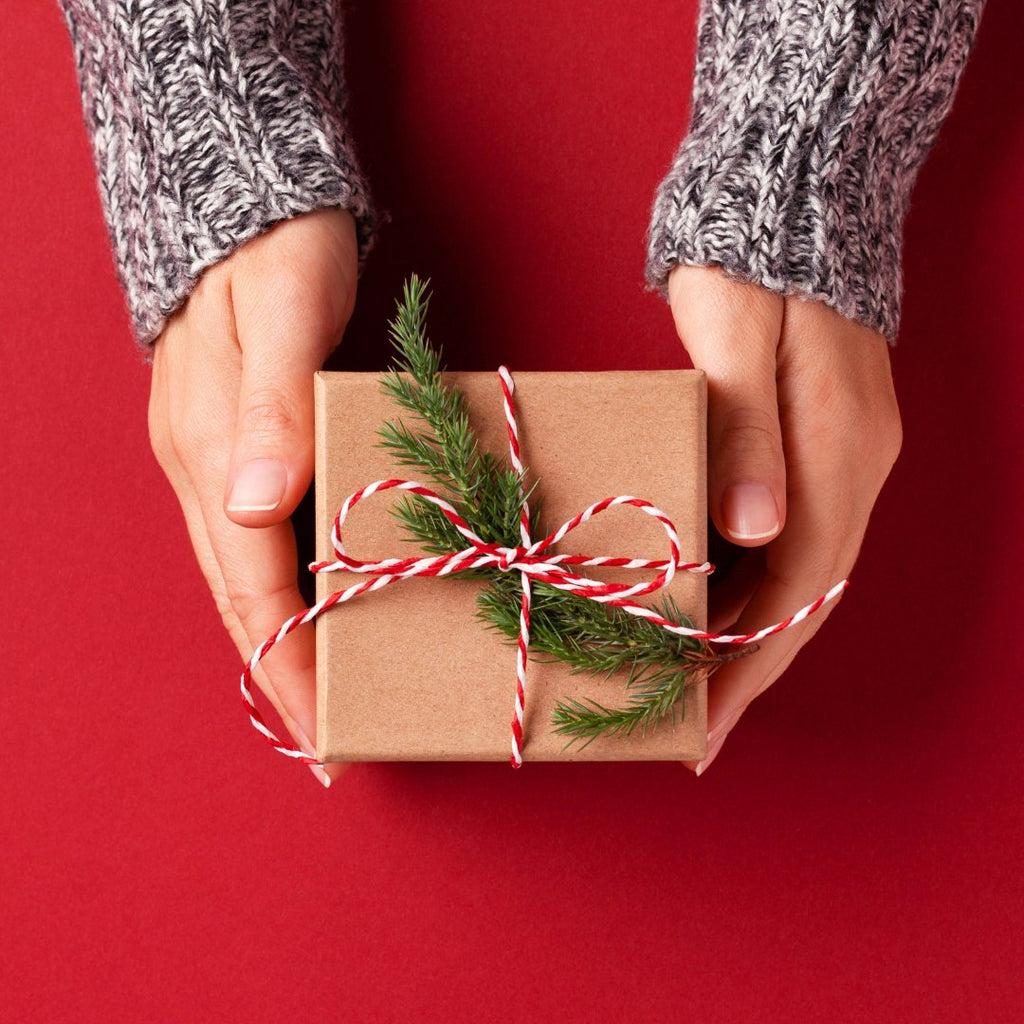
(210, 123)
(809, 124)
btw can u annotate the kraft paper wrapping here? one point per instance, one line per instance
(409, 672)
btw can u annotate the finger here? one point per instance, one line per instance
(700, 767)
(240, 635)
(257, 568)
(841, 422)
(210, 567)
(288, 319)
(821, 539)
(807, 575)
(728, 597)
(260, 588)
(841, 427)
(731, 330)
(207, 395)
(271, 463)
(195, 383)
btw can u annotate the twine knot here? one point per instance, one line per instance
(512, 558)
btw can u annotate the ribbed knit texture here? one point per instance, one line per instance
(810, 120)
(210, 121)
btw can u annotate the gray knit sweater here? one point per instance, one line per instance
(211, 120)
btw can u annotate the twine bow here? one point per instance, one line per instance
(531, 559)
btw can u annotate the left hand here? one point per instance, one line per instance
(803, 429)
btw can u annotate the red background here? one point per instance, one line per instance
(854, 854)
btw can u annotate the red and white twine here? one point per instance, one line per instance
(530, 560)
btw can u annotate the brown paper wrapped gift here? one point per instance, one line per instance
(410, 672)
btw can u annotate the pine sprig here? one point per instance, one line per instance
(657, 666)
(487, 493)
(604, 640)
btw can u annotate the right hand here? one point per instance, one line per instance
(231, 424)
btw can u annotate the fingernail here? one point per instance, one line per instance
(712, 753)
(259, 486)
(749, 511)
(306, 746)
(720, 731)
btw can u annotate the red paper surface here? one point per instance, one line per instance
(855, 852)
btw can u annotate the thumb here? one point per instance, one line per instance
(272, 457)
(282, 345)
(731, 330)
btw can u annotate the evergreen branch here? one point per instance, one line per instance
(590, 637)
(603, 640)
(662, 698)
(487, 493)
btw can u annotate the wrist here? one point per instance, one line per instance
(207, 130)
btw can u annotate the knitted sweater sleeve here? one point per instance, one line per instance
(210, 122)
(809, 122)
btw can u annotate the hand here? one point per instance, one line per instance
(231, 424)
(803, 428)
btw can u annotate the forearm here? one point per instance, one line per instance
(809, 124)
(209, 123)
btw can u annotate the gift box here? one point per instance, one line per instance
(410, 672)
